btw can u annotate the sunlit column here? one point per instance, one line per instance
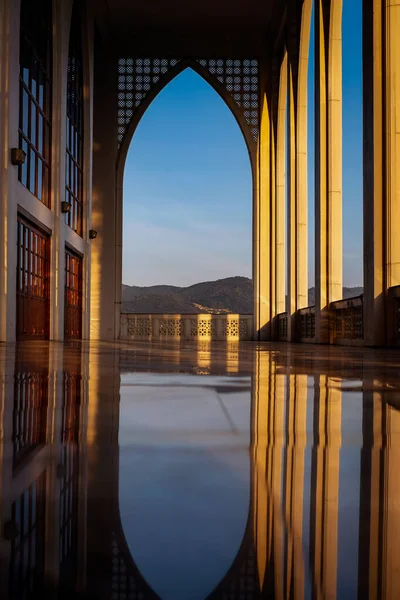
(281, 190)
(292, 252)
(328, 161)
(9, 118)
(261, 216)
(381, 99)
(105, 280)
(325, 487)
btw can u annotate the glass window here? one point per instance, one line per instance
(35, 85)
(74, 149)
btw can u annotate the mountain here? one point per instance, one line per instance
(230, 295)
(347, 293)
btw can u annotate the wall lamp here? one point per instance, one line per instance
(65, 207)
(18, 157)
(92, 234)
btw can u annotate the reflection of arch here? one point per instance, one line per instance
(124, 567)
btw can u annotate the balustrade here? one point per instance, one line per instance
(186, 327)
(347, 321)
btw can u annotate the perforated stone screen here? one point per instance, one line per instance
(138, 76)
(241, 80)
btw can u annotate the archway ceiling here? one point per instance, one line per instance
(185, 28)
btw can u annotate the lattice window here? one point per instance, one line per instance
(35, 80)
(73, 295)
(237, 328)
(171, 327)
(202, 328)
(241, 80)
(74, 154)
(140, 327)
(137, 77)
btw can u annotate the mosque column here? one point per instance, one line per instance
(9, 117)
(105, 248)
(328, 161)
(262, 283)
(381, 109)
(298, 48)
(281, 150)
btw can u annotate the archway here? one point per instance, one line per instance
(141, 80)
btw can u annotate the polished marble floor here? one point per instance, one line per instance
(199, 471)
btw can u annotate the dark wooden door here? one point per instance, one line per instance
(33, 289)
(73, 296)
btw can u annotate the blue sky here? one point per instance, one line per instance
(187, 186)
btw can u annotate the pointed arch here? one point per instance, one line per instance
(137, 114)
(156, 88)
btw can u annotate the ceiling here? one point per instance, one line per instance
(185, 28)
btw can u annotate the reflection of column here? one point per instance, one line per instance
(325, 487)
(369, 553)
(102, 466)
(296, 414)
(268, 441)
(261, 396)
(379, 556)
(390, 511)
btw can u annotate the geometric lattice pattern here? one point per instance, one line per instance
(138, 76)
(202, 328)
(171, 327)
(123, 585)
(241, 80)
(245, 585)
(236, 328)
(212, 327)
(139, 327)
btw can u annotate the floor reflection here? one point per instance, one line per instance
(188, 472)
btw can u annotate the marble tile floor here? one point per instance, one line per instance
(197, 470)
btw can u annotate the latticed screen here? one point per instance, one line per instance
(33, 253)
(35, 96)
(241, 80)
(136, 77)
(238, 77)
(28, 548)
(74, 157)
(73, 295)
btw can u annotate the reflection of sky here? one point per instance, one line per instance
(184, 482)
